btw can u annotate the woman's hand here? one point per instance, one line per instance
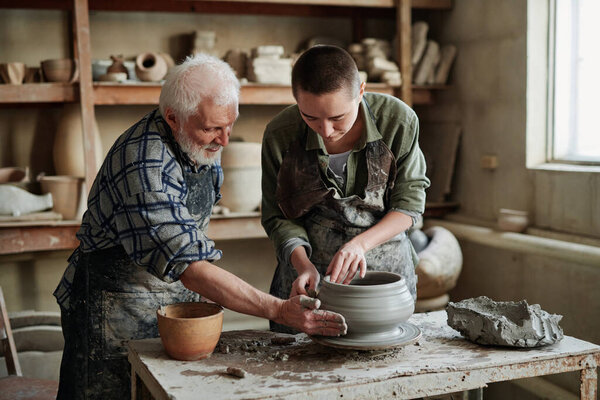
(306, 282)
(346, 262)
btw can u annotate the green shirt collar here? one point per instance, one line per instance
(314, 141)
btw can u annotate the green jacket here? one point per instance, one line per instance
(386, 118)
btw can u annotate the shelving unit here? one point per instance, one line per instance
(89, 94)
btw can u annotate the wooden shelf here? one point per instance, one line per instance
(39, 93)
(144, 93)
(367, 8)
(23, 238)
(60, 235)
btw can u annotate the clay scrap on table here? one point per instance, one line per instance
(517, 324)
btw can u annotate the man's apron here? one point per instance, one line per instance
(330, 221)
(113, 301)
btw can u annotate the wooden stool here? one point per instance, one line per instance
(15, 386)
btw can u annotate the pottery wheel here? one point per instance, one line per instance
(406, 333)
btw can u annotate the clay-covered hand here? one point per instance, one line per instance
(306, 282)
(346, 262)
(302, 313)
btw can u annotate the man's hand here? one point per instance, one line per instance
(302, 313)
(306, 282)
(346, 262)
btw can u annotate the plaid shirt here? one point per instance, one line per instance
(138, 201)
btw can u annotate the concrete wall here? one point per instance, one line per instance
(497, 95)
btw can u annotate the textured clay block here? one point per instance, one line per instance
(517, 324)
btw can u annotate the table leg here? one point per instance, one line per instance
(133, 384)
(589, 384)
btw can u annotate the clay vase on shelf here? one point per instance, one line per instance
(60, 70)
(68, 194)
(150, 67)
(241, 187)
(68, 152)
(118, 65)
(12, 73)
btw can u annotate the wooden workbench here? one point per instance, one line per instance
(440, 362)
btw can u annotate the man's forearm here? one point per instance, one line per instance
(228, 290)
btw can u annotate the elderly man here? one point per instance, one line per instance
(143, 241)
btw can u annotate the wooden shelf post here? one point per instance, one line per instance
(86, 90)
(403, 27)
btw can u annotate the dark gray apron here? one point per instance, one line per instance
(113, 301)
(331, 221)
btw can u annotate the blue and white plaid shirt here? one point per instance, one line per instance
(138, 200)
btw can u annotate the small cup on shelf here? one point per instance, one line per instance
(60, 70)
(12, 73)
(512, 220)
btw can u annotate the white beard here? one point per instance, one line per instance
(199, 153)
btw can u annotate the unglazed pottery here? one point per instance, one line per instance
(13, 175)
(150, 67)
(16, 201)
(60, 70)
(241, 187)
(512, 220)
(118, 65)
(190, 331)
(12, 73)
(67, 194)
(373, 306)
(440, 263)
(68, 149)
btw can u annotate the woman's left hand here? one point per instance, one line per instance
(346, 262)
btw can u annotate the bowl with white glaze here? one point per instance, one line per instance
(373, 306)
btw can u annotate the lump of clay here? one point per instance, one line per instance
(517, 324)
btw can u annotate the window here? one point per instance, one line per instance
(575, 69)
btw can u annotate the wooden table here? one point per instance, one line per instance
(440, 362)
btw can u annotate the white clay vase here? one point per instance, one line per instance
(373, 306)
(68, 152)
(241, 187)
(150, 67)
(439, 265)
(16, 201)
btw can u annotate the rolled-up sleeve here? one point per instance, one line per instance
(280, 230)
(410, 184)
(159, 234)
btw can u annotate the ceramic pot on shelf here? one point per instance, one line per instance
(68, 194)
(150, 67)
(12, 73)
(241, 187)
(60, 70)
(118, 66)
(68, 152)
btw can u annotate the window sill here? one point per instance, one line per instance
(557, 167)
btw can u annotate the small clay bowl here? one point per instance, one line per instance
(190, 331)
(373, 306)
(512, 220)
(60, 70)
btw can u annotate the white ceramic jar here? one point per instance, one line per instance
(373, 306)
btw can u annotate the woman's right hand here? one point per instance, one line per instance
(306, 282)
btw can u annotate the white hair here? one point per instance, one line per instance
(199, 78)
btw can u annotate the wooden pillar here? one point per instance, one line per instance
(403, 40)
(86, 90)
